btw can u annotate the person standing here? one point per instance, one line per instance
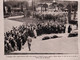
(34, 31)
(19, 43)
(69, 29)
(29, 40)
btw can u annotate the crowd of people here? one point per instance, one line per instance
(50, 27)
(17, 37)
(57, 17)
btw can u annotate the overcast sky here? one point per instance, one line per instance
(19, 0)
(25, 0)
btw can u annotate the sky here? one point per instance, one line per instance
(19, 0)
(26, 0)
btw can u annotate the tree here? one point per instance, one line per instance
(22, 6)
(45, 6)
(69, 12)
(54, 4)
(75, 8)
(41, 5)
(72, 6)
(60, 6)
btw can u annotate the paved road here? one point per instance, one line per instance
(8, 24)
(58, 45)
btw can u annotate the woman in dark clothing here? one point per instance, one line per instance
(69, 29)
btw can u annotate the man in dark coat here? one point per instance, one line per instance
(19, 43)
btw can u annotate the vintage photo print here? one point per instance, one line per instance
(40, 27)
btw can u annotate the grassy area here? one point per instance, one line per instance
(27, 20)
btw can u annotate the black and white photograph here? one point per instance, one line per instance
(40, 27)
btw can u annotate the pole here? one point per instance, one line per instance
(33, 8)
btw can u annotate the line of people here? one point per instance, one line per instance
(17, 37)
(50, 27)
